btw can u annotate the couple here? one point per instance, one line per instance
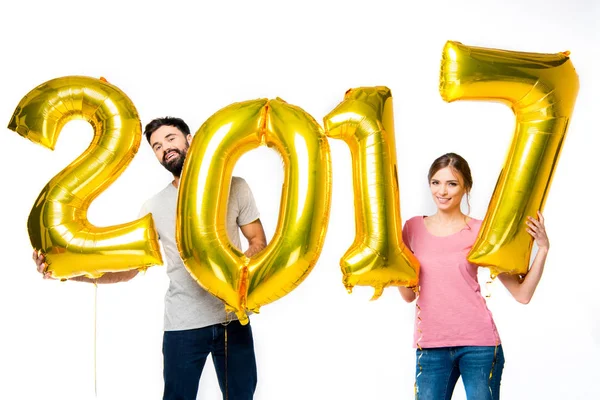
(196, 324)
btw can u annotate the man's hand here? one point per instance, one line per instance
(252, 250)
(40, 261)
(255, 234)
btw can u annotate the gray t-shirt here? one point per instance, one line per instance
(187, 305)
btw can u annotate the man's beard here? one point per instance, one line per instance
(176, 166)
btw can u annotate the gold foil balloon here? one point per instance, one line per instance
(223, 270)
(378, 257)
(541, 90)
(58, 225)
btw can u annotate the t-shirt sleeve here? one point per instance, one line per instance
(248, 212)
(145, 210)
(406, 234)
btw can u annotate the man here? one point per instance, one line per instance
(195, 321)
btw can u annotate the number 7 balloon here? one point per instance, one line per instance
(541, 90)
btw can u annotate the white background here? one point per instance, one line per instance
(318, 342)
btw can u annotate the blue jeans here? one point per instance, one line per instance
(185, 354)
(438, 370)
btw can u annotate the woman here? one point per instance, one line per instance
(455, 334)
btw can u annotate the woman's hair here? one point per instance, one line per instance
(458, 165)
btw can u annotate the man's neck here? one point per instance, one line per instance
(175, 181)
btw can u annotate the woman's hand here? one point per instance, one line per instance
(537, 229)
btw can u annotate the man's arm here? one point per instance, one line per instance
(109, 277)
(255, 235)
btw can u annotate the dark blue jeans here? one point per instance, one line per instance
(185, 354)
(438, 370)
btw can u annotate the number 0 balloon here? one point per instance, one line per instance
(218, 266)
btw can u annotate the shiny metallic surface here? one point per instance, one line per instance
(58, 224)
(248, 283)
(541, 89)
(378, 257)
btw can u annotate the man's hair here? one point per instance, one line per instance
(166, 121)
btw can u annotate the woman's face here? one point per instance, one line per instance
(447, 188)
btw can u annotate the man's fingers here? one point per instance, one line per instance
(41, 258)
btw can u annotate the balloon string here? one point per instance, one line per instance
(492, 370)
(226, 372)
(488, 288)
(95, 338)
(226, 325)
(418, 343)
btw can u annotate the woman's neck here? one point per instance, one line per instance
(449, 217)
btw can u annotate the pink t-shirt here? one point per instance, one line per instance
(453, 311)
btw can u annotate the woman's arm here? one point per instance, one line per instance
(408, 294)
(523, 289)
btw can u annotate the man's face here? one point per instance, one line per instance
(170, 146)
